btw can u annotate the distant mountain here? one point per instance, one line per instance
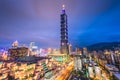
(104, 45)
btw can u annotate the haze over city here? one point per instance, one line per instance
(89, 21)
(59, 40)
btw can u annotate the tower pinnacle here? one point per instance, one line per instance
(63, 7)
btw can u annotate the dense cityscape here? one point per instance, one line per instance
(22, 62)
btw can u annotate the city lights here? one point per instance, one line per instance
(35, 55)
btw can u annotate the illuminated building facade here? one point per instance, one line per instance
(85, 52)
(70, 48)
(33, 49)
(98, 73)
(77, 62)
(48, 73)
(15, 44)
(58, 57)
(90, 71)
(64, 32)
(26, 68)
(18, 52)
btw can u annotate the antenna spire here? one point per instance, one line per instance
(63, 7)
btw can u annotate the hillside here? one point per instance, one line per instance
(103, 46)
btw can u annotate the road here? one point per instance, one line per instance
(64, 74)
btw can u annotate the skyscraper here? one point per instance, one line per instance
(64, 32)
(64, 41)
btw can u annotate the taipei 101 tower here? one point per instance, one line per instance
(64, 32)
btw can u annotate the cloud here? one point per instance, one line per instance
(89, 21)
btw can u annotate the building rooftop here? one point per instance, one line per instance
(117, 76)
(30, 59)
(56, 54)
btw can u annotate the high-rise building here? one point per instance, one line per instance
(77, 62)
(64, 32)
(18, 52)
(33, 49)
(70, 48)
(62, 54)
(97, 72)
(90, 71)
(15, 44)
(32, 44)
(85, 52)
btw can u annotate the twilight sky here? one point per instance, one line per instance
(89, 21)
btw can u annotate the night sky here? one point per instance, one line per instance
(89, 22)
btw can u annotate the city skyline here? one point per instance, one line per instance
(89, 22)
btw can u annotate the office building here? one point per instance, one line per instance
(18, 52)
(64, 32)
(64, 51)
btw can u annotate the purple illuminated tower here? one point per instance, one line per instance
(64, 32)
